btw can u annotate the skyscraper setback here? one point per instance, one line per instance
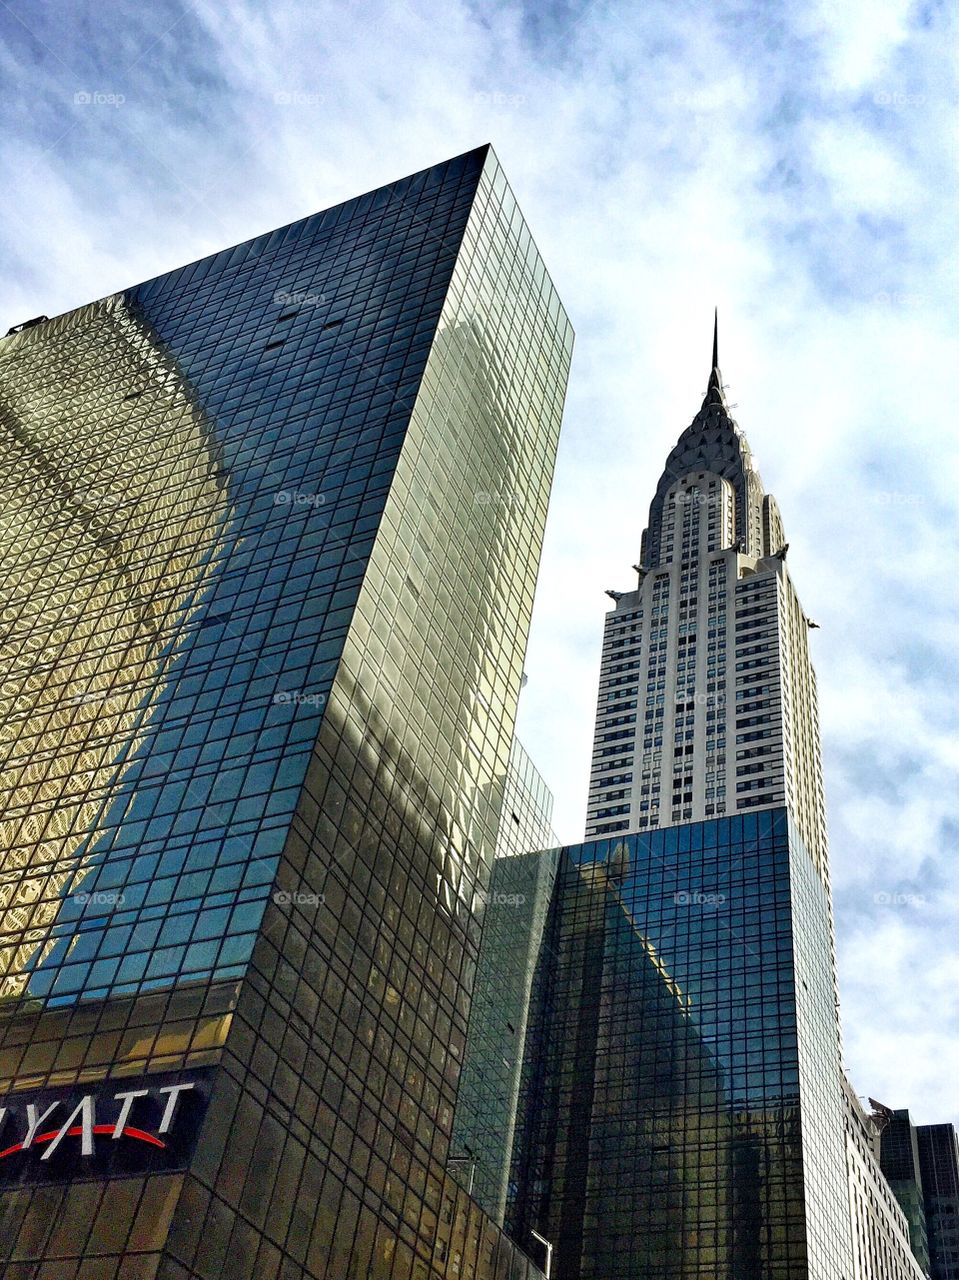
(273, 522)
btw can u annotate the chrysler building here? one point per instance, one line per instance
(707, 695)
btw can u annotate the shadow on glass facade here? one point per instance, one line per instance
(275, 522)
(675, 1114)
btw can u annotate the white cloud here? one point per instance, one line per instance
(858, 39)
(862, 171)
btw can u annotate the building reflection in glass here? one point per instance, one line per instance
(114, 507)
(668, 1126)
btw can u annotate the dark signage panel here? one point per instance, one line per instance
(114, 1128)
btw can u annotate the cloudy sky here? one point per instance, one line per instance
(794, 164)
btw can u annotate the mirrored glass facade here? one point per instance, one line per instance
(273, 527)
(676, 1112)
(527, 808)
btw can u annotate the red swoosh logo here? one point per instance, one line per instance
(77, 1132)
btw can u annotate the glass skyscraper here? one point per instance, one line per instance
(681, 1111)
(272, 524)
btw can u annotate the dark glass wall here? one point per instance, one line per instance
(899, 1161)
(939, 1167)
(680, 1107)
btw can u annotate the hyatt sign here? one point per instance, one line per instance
(115, 1128)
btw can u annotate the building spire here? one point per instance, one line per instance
(714, 392)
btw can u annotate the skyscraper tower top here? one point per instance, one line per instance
(714, 443)
(707, 698)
